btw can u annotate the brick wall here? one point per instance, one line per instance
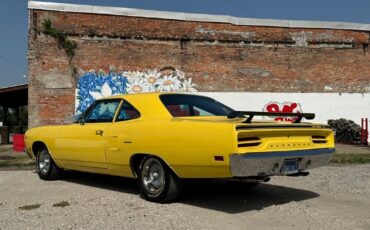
(219, 57)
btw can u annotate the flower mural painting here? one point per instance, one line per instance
(105, 91)
(137, 85)
(92, 85)
(189, 86)
(169, 84)
(152, 79)
(156, 81)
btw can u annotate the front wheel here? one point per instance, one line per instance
(157, 183)
(46, 168)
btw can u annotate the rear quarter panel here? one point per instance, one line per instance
(188, 147)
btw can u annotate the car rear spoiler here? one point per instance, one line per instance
(251, 114)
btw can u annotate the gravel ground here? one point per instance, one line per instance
(333, 197)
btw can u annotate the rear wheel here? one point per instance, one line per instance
(157, 183)
(46, 168)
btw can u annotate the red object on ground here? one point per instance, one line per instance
(18, 142)
(364, 131)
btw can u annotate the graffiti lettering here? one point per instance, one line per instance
(286, 107)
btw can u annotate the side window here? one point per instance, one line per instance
(181, 105)
(103, 111)
(201, 112)
(127, 112)
(180, 110)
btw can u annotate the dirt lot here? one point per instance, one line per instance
(333, 197)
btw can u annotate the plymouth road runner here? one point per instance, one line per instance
(161, 139)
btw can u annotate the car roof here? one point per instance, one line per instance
(148, 104)
(135, 95)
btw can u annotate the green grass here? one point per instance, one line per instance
(18, 162)
(6, 148)
(6, 164)
(351, 158)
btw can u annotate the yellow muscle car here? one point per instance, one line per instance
(161, 138)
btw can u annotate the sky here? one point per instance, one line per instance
(14, 19)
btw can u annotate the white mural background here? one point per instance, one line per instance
(352, 106)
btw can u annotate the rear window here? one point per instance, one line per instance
(191, 105)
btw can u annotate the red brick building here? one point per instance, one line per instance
(246, 62)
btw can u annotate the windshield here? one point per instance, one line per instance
(191, 105)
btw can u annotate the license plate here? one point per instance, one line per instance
(290, 166)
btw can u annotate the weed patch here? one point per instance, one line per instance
(30, 207)
(61, 204)
(351, 158)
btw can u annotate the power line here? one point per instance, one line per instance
(12, 63)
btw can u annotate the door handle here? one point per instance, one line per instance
(99, 132)
(113, 149)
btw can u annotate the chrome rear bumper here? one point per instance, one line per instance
(270, 163)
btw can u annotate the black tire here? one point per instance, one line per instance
(157, 182)
(45, 166)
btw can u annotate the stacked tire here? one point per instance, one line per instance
(346, 131)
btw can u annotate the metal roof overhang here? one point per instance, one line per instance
(14, 96)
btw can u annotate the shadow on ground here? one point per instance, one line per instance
(119, 184)
(210, 194)
(239, 197)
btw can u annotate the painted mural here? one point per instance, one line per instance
(286, 107)
(95, 85)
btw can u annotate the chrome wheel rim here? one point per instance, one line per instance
(44, 162)
(153, 177)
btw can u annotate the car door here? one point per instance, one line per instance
(122, 139)
(84, 144)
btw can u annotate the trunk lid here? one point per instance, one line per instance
(262, 136)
